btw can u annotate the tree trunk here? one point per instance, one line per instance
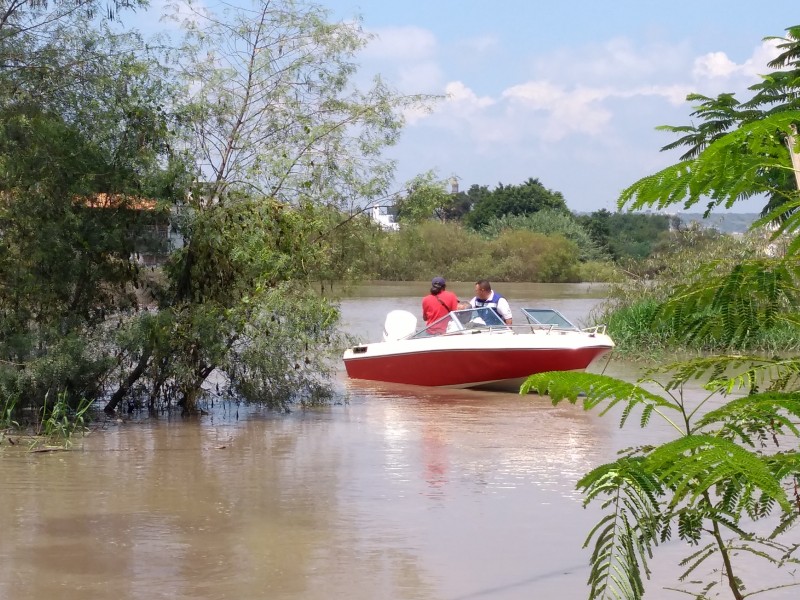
(132, 378)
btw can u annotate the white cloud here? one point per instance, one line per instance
(421, 77)
(591, 106)
(467, 116)
(406, 57)
(552, 109)
(536, 111)
(620, 55)
(714, 64)
(674, 94)
(566, 110)
(717, 65)
(766, 52)
(464, 99)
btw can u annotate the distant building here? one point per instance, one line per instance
(158, 237)
(386, 217)
(454, 185)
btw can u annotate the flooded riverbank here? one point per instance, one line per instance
(393, 492)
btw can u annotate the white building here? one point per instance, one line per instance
(385, 217)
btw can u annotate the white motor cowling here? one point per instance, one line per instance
(399, 324)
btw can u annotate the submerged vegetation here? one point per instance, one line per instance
(246, 144)
(250, 148)
(53, 426)
(167, 210)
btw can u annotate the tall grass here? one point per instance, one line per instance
(632, 329)
(632, 311)
(7, 415)
(59, 422)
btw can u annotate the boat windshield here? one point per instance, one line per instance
(548, 317)
(460, 321)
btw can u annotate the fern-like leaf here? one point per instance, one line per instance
(624, 538)
(693, 465)
(595, 389)
(768, 414)
(730, 167)
(694, 560)
(729, 373)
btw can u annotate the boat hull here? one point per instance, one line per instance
(499, 362)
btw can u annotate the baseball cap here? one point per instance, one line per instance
(438, 282)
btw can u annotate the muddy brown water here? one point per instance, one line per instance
(396, 492)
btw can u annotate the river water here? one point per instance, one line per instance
(394, 492)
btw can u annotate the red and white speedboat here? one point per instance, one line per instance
(475, 348)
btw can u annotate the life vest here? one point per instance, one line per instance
(491, 302)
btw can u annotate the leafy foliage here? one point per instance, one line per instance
(552, 223)
(719, 474)
(523, 199)
(731, 307)
(687, 290)
(520, 255)
(724, 121)
(249, 142)
(735, 465)
(624, 537)
(283, 356)
(458, 254)
(730, 168)
(463, 202)
(626, 236)
(60, 422)
(272, 111)
(425, 198)
(77, 160)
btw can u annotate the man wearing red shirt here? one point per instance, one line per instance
(437, 304)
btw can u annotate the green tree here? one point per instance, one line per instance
(522, 255)
(738, 464)
(627, 236)
(777, 177)
(254, 144)
(426, 198)
(429, 248)
(282, 140)
(462, 203)
(83, 140)
(271, 109)
(523, 199)
(550, 222)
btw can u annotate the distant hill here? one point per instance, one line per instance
(724, 222)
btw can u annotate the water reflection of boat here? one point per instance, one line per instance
(464, 442)
(475, 348)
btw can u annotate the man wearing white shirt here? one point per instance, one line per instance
(484, 296)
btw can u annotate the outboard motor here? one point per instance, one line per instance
(399, 324)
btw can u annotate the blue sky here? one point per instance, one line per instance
(566, 92)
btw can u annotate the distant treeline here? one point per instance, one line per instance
(722, 222)
(725, 223)
(510, 233)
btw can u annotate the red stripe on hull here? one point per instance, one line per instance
(465, 368)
